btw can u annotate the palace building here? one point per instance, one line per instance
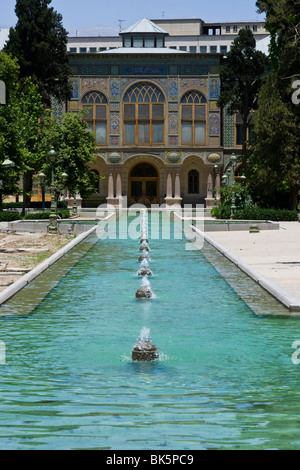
(160, 135)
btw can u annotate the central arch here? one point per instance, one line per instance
(143, 184)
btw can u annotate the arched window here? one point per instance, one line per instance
(95, 107)
(193, 186)
(193, 118)
(144, 112)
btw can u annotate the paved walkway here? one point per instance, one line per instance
(275, 254)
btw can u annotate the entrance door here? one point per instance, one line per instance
(143, 185)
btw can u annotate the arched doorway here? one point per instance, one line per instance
(144, 185)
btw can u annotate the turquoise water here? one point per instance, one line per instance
(225, 378)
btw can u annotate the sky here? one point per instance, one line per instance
(96, 17)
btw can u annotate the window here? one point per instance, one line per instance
(137, 42)
(223, 49)
(144, 112)
(95, 107)
(182, 48)
(193, 49)
(235, 29)
(247, 26)
(193, 118)
(203, 49)
(213, 49)
(149, 42)
(93, 49)
(73, 50)
(228, 29)
(82, 50)
(254, 27)
(193, 182)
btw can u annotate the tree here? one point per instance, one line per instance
(39, 41)
(76, 150)
(241, 77)
(283, 23)
(274, 163)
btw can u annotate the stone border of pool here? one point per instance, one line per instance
(40, 268)
(282, 296)
(17, 286)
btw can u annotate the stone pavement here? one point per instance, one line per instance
(273, 254)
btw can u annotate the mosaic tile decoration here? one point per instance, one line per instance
(173, 124)
(57, 109)
(93, 69)
(98, 84)
(228, 130)
(114, 125)
(75, 87)
(214, 88)
(213, 106)
(199, 84)
(74, 105)
(173, 107)
(115, 89)
(173, 90)
(114, 141)
(214, 124)
(193, 70)
(114, 107)
(173, 140)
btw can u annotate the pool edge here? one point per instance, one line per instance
(290, 302)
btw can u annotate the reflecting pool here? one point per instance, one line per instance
(224, 380)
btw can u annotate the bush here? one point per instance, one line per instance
(63, 214)
(256, 213)
(9, 216)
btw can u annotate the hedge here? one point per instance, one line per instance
(256, 213)
(63, 214)
(9, 216)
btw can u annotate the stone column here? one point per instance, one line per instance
(177, 198)
(169, 189)
(119, 197)
(218, 185)
(209, 200)
(110, 196)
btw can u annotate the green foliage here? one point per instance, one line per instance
(241, 77)
(9, 216)
(255, 213)
(242, 196)
(76, 150)
(63, 214)
(39, 42)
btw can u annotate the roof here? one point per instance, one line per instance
(143, 50)
(144, 26)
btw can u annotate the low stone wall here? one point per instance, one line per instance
(64, 226)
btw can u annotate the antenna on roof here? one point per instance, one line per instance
(163, 14)
(120, 23)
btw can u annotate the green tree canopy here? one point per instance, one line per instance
(39, 41)
(76, 150)
(241, 76)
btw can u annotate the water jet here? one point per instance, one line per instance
(145, 350)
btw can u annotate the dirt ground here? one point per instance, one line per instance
(21, 252)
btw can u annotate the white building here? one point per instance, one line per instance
(3, 37)
(190, 35)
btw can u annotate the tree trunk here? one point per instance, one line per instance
(27, 189)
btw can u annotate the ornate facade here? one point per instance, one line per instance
(161, 137)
